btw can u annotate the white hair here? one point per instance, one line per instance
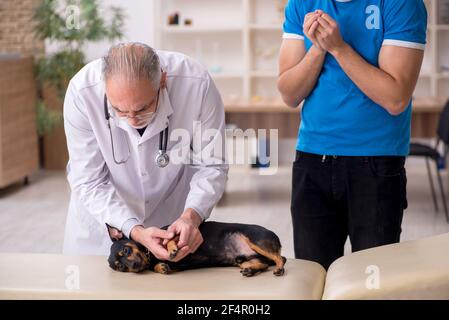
(132, 61)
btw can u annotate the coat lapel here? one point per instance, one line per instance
(162, 117)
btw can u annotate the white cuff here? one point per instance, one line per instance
(292, 36)
(200, 212)
(405, 44)
(129, 225)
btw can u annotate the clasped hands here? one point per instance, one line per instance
(323, 31)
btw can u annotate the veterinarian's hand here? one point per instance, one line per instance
(328, 34)
(152, 239)
(190, 237)
(310, 27)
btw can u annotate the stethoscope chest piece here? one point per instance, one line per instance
(162, 159)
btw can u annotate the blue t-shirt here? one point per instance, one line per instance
(337, 117)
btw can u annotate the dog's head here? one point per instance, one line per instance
(126, 255)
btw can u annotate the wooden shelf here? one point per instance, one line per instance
(226, 75)
(428, 104)
(443, 75)
(262, 105)
(198, 29)
(276, 105)
(425, 75)
(266, 27)
(264, 74)
(442, 27)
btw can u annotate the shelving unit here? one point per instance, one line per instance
(434, 80)
(245, 48)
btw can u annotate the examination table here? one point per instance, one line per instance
(409, 270)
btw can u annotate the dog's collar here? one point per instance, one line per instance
(148, 254)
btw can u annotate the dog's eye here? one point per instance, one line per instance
(120, 266)
(126, 251)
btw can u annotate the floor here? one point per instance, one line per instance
(32, 217)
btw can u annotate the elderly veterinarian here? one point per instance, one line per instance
(140, 127)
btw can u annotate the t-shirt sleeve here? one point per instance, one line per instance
(405, 23)
(293, 21)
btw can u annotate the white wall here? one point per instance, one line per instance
(139, 26)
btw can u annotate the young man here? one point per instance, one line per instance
(356, 64)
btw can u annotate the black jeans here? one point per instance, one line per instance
(336, 197)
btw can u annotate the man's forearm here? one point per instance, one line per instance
(375, 83)
(296, 83)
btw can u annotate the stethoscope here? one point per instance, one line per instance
(162, 159)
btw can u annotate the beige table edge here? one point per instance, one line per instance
(416, 269)
(45, 276)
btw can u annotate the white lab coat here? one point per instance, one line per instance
(139, 191)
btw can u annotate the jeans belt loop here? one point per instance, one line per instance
(323, 159)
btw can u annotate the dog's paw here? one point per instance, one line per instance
(279, 272)
(165, 268)
(173, 253)
(162, 268)
(248, 272)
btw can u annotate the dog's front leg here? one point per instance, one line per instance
(162, 268)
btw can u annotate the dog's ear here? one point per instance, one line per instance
(114, 233)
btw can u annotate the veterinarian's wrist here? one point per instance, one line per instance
(193, 216)
(136, 232)
(128, 226)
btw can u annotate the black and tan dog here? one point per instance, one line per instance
(251, 247)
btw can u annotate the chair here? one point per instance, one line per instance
(430, 153)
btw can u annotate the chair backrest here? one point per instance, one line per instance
(443, 126)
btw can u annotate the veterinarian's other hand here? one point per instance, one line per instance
(310, 27)
(328, 34)
(152, 239)
(190, 237)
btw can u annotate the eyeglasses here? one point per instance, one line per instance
(139, 114)
(108, 116)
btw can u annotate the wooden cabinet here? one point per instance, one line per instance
(18, 135)
(55, 150)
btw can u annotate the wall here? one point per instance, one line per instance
(16, 30)
(139, 26)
